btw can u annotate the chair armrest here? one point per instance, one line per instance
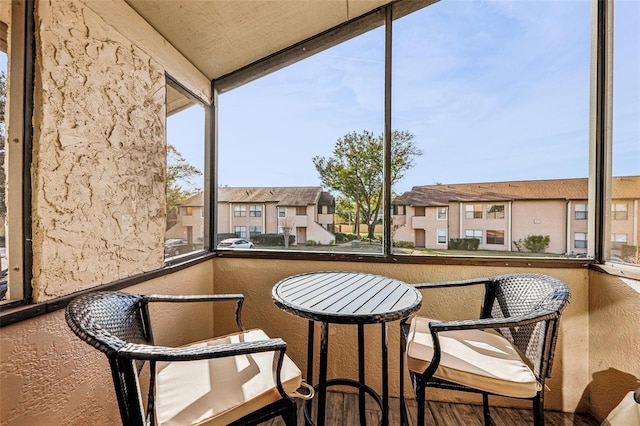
(170, 298)
(462, 283)
(136, 351)
(192, 297)
(492, 323)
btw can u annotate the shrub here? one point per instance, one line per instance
(536, 243)
(272, 239)
(311, 242)
(533, 243)
(464, 244)
(403, 244)
(631, 254)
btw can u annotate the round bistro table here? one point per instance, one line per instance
(346, 298)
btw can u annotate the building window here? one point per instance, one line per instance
(441, 213)
(580, 211)
(418, 211)
(282, 212)
(255, 211)
(239, 211)
(254, 231)
(241, 231)
(474, 233)
(442, 236)
(495, 237)
(185, 164)
(619, 211)
(618, 240)
(473, 211)
(301, 211)
(400, 210)
(580, 240)
(495, 211)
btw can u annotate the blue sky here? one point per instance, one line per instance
(492, 90)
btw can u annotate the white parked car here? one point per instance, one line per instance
(231, 243)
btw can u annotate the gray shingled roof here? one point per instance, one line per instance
(283, 196)
(193, 201)
(563, 189)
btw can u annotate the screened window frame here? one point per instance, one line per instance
(172, 83)
(601, 92)
(18, 153)
(599, 115)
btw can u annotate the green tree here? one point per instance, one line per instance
(355, 170)
(346, 210)
(180, 185)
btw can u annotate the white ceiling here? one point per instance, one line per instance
(221, 36)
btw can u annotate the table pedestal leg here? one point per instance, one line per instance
(310, 349)
(322, 378)
(361, 375)
(385, 375)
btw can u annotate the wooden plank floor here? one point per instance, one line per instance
(342, 410)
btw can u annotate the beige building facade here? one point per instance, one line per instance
(503, 214)
(307, 212)
(190, 223)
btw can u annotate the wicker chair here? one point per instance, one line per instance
(241, 378)
(513, 358)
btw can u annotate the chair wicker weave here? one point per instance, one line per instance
(520, 312)
(118, 324)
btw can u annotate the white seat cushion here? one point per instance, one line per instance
(220, 391)
(627, 413)
(474, 358)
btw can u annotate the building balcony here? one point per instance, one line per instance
(593, 368)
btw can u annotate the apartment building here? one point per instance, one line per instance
(248, 211)
(499, 213)
(190, 222)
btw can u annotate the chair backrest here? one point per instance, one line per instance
(107, 320)
(528, 294)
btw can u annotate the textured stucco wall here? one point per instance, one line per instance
(256, 278)
(614, 341)
(99, 154)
